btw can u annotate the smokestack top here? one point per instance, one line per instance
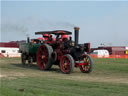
(76, 28)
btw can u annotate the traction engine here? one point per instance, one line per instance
(64, 52)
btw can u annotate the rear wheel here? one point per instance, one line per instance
(67, 64)
(44, 59)
(88, 64)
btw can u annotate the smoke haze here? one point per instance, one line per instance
(17, 29)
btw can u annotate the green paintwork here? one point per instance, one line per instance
(33, 48)
(29, 48)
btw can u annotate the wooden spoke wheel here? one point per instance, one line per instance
(88, 64)
(67, 64)
(23, 58)
(44, 59)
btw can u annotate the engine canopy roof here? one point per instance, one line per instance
(56, 32)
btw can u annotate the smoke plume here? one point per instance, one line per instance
(17, 29)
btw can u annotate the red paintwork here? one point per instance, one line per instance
(42, 56)
(80, 64)
(46, 38)
(65, 64)
(46, 35)
(64, 36)
(12, 45)
(84, 67)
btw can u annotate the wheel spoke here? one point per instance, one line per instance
(88, 64)
(44, 57)
(67, 64)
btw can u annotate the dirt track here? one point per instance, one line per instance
(73, 76)
(12, 69)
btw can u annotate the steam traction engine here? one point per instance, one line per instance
(28, 51)
(64, 52)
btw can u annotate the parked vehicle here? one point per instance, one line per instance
(101, 53)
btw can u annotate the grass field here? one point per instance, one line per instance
(109, 78)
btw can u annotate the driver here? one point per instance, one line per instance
(46, 36)
(64, 37)
(40, 39)
(49, 38)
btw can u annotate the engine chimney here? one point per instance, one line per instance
(28, 40)
(76, 29)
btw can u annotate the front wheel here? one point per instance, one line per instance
(67, 64)
(30, 60)
(23, 58)
(88, 64)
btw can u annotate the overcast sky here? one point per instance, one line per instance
(99, 21)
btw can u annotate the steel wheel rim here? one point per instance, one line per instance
(65, 64)
(42, 62)
(85, 68)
